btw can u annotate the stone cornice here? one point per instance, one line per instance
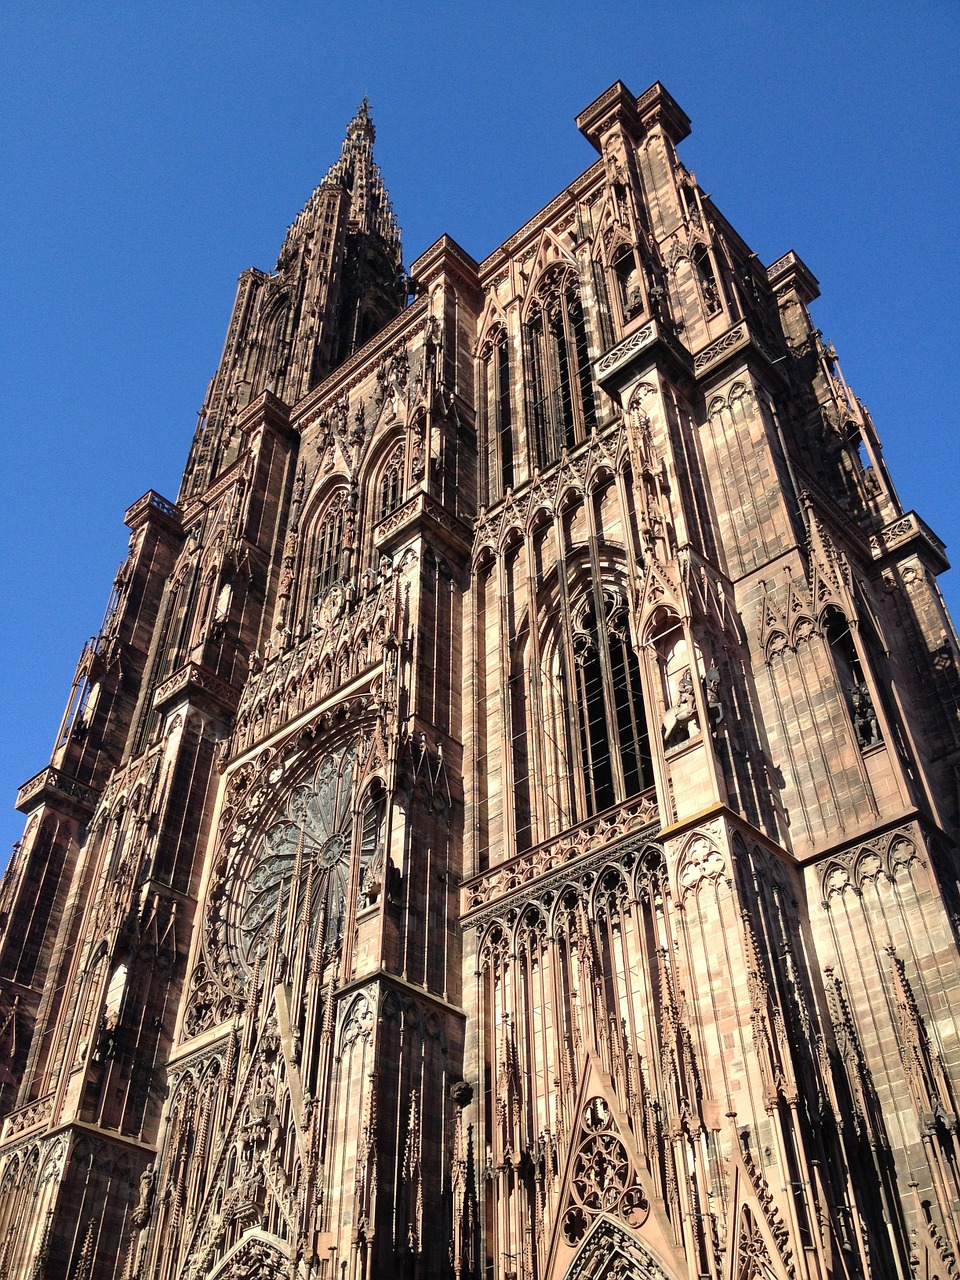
(153, 508)
(425, 513)
(193, 681)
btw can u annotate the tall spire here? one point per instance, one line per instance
(338, 279)
(356, 171)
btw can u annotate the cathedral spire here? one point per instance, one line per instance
(370, 208)
(356, 173)
(338, 279)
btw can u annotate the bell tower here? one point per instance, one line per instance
(506, 826)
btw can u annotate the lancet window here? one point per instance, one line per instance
(329, 545)
(626, 272)
(853, 684)
(562, 398)
(497, 413)
(391, 484)
(707, 280)
(597, 674)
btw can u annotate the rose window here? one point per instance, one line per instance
(312, 839)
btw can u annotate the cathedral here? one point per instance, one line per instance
(504, 828)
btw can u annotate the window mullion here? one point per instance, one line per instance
(603, 646)
(569, 673)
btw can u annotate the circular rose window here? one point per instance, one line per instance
(314, 831)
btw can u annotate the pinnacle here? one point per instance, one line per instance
(362, 125)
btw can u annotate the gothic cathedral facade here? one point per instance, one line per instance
(504, 828)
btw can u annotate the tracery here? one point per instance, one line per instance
(563, 402)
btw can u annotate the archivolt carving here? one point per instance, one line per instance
(256, 1259)
(611, 1252)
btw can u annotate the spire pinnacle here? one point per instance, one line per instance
(361, 126)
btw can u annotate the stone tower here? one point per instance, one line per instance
(504, 828)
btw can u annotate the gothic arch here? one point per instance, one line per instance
(388, 456)
(493, 318)
(322, 546)
(557, 365)
(256, 1254)
(610, 1251)
(701, 862)
(610, 891)
(496, 380)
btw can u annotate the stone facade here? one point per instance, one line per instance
(504, 827)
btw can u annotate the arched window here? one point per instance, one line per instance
(562, 401)
(391, 484)
(707, 279)
(113, 1001)
(853, 686)
(372, 852)
(497, 414)
(328, 546)
(611, 736)
(627, 275)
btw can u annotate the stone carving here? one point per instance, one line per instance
(886, 855)
(701, 862)
(643, 337)
(602, 1177)
(507, 878)
(680, 720)
(258, 884)
(352, 635)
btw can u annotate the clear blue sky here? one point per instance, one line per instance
(154, 151)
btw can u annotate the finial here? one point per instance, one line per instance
(361, 124)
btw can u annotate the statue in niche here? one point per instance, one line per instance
(865, 724)
(714, 705)
(680, 720)
(141, 1214)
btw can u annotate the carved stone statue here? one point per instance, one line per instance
(141, 1214)
(683, 714)
(865, 724)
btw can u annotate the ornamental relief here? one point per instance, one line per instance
(349, 635)
(602, 1177)
(254, 1260)
(881, 858)
(549, 865)
(563, 905)
(518, 513)
(610, 1252)
(252, 887)
(701, 862)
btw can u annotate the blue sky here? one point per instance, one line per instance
(155, 151)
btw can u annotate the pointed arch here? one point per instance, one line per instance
(323, 551)
(595, 707)
(561, 407)
(496, 414)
